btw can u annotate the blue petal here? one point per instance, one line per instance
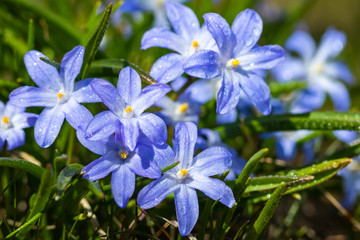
(212, 161)
(183, 20)
(75, 113)
(48, 125)
(201, 91)
(122, 185)
(98, 147)
(285, 148)
(187, 208)
(109, 95)
(43, 74)
(83, 92)
(332, 43)
(129, 84)
(338, 93)
(128, 130)
(160, 37)
(301, 43)
(291, 69)
(213, 188)
(339, 70)
(265, 57)
(144, 165)
(151, 195)
(71, 66)
(185, 137)
(229, 117)
(102, 166)
(164, 156)
(222, 33)
(229, 93)
(345, 136)
(15, 138)
(167, 68)
(203, 64)
(101, 126)
(24, 120)
(153, 127)
(311, 98)
(33, 97)
(247, 28)
(257, 91)
(148, 96)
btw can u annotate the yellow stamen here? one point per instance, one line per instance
(183, 172)
(123, 155)
(128, 109)
(235, 62)
(5, 120)
(60, 95)
(195, 44)
(319, 68)
(184, 107)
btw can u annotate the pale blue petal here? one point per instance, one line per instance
(257, 91)
(345, 136)
(338, 93)
(160, 37)
(229, 93)
(187, 208)
(203, 64)
(102, 166)
(265, 57)
(24, 120)
(185, 137)
(98, 147)
(75, 113)
(71, 66)
(144, 165)
(291, 69)
(164, 155)
(33, 97)
(122, 185)
(109, 95)
(212, 161)
(148, 96)
(83, 92)
(48, 125)
(15, 138)
(183, 20)
(153, 127)
(213, 188)
(339, 70)
(229, 117)
(128, 130)
(222, 33)
(247, 28)
(301, 43)
(101, 126)
(285, 148)
(309, 99)
(151, 195)
(129, 84)
(332, 43)
(167, 68)
(43, 74)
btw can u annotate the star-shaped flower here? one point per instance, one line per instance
(190, 174)
(57, 92)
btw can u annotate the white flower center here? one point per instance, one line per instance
(232, 63)
(61, 97)
(181, 174)
(128, 112)
(5, 122)
(182, 109)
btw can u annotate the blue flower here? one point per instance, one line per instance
(12, 121)
(239, 57)
(192, 173)
(188, 38)
(126, 116)
(351, 182)
(318, 69)
(123, 164)
(56, 92)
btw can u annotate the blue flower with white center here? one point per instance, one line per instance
(237, 61)
(123, 164)
(318, 69)
(126, 116)
(12, 121)
(192, 173)
(156, 7)
(57, 92)
(187, 39)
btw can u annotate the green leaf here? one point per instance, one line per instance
(22, 164)
(349, 151)
(31, 38)
(240, 183)
(112, 67)
(95, 40)
(310, 121)
(27, 225)
(66, 176)
(266, 214)
(52, 63)
(277, 88)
